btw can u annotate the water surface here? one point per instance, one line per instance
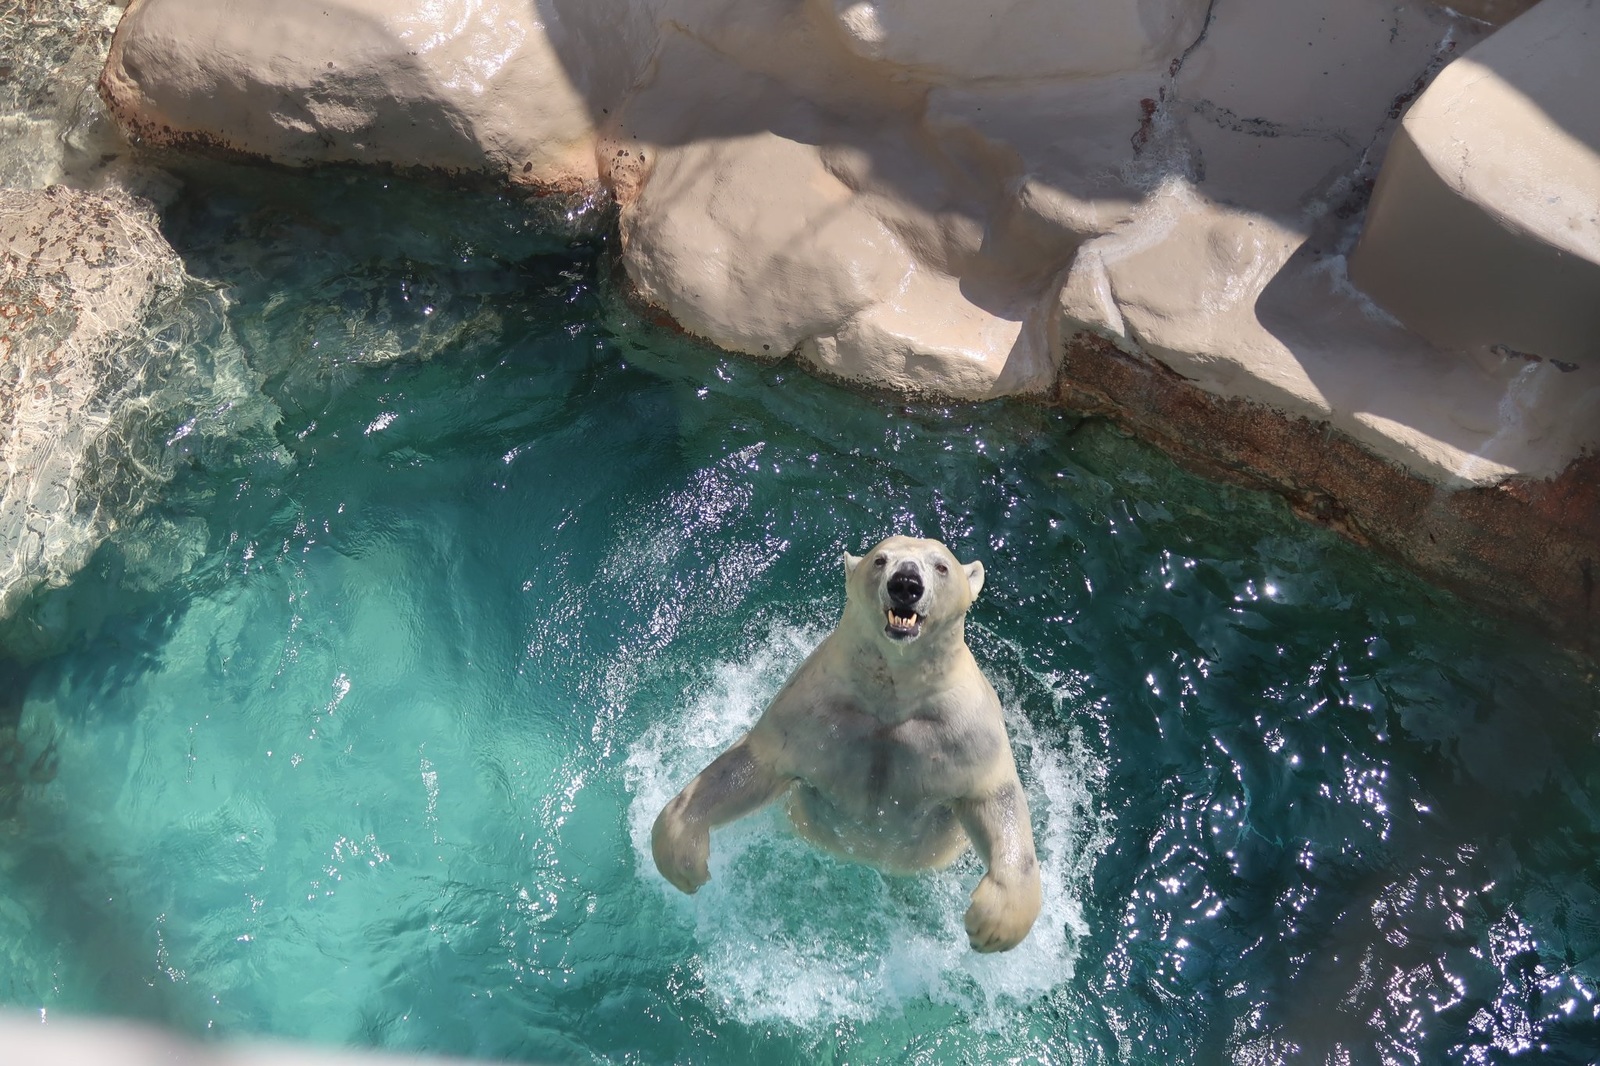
(360, 730)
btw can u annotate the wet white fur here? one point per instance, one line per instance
(892, 752)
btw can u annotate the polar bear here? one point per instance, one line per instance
(889, 743)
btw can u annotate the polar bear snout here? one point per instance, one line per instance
(905, 593)
(909, 585)
(905, 586)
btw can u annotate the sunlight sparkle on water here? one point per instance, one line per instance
(361, 727)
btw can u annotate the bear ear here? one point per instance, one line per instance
(850, 563)
(974, 577)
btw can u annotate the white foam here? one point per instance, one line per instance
(787, 933)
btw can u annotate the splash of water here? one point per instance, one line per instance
(787, 933)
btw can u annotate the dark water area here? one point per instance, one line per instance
(359, 730)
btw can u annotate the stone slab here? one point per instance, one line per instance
(1484, 229)
(470, 87)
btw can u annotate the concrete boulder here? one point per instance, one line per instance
(469, 88)
(956, 41)
(1484, 229)
(846, 240)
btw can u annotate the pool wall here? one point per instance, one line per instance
(76, 1042)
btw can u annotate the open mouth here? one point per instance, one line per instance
(903, 626)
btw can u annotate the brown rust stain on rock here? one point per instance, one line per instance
(1529, 546)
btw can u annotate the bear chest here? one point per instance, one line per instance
(860, 760)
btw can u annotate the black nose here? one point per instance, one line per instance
(905, 587)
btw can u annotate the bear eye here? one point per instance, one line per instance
(880, 560)
(943, 569)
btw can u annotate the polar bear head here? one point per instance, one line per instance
(904, 586)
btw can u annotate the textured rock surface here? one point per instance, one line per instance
(1233, 274)
(109, 356)
(51, 122)
(850, 240)
(1484, 230)
(468, 86)
(949, 237)
(1017, 40)
(79, 273)
(922, 197)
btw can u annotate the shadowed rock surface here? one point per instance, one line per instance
(1484, 230)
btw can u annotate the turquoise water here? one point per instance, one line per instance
(359, 732)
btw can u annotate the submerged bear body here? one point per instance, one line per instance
(889, 744)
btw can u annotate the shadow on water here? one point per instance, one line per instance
(14, 678)
(80, 951)
(18, 767)
(75, 947)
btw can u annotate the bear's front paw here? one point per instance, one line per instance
(1001, 914)
(681, 850)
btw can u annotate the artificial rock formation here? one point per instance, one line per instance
(924, 197)
(79, 274)
(465, 87)
(1484, 230)
(1019, 197)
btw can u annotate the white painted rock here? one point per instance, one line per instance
(851, 244)
(466, 86)
(1484, 229)
(953, 41)
(1231, 274)
(935, 196)
(752, 244)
